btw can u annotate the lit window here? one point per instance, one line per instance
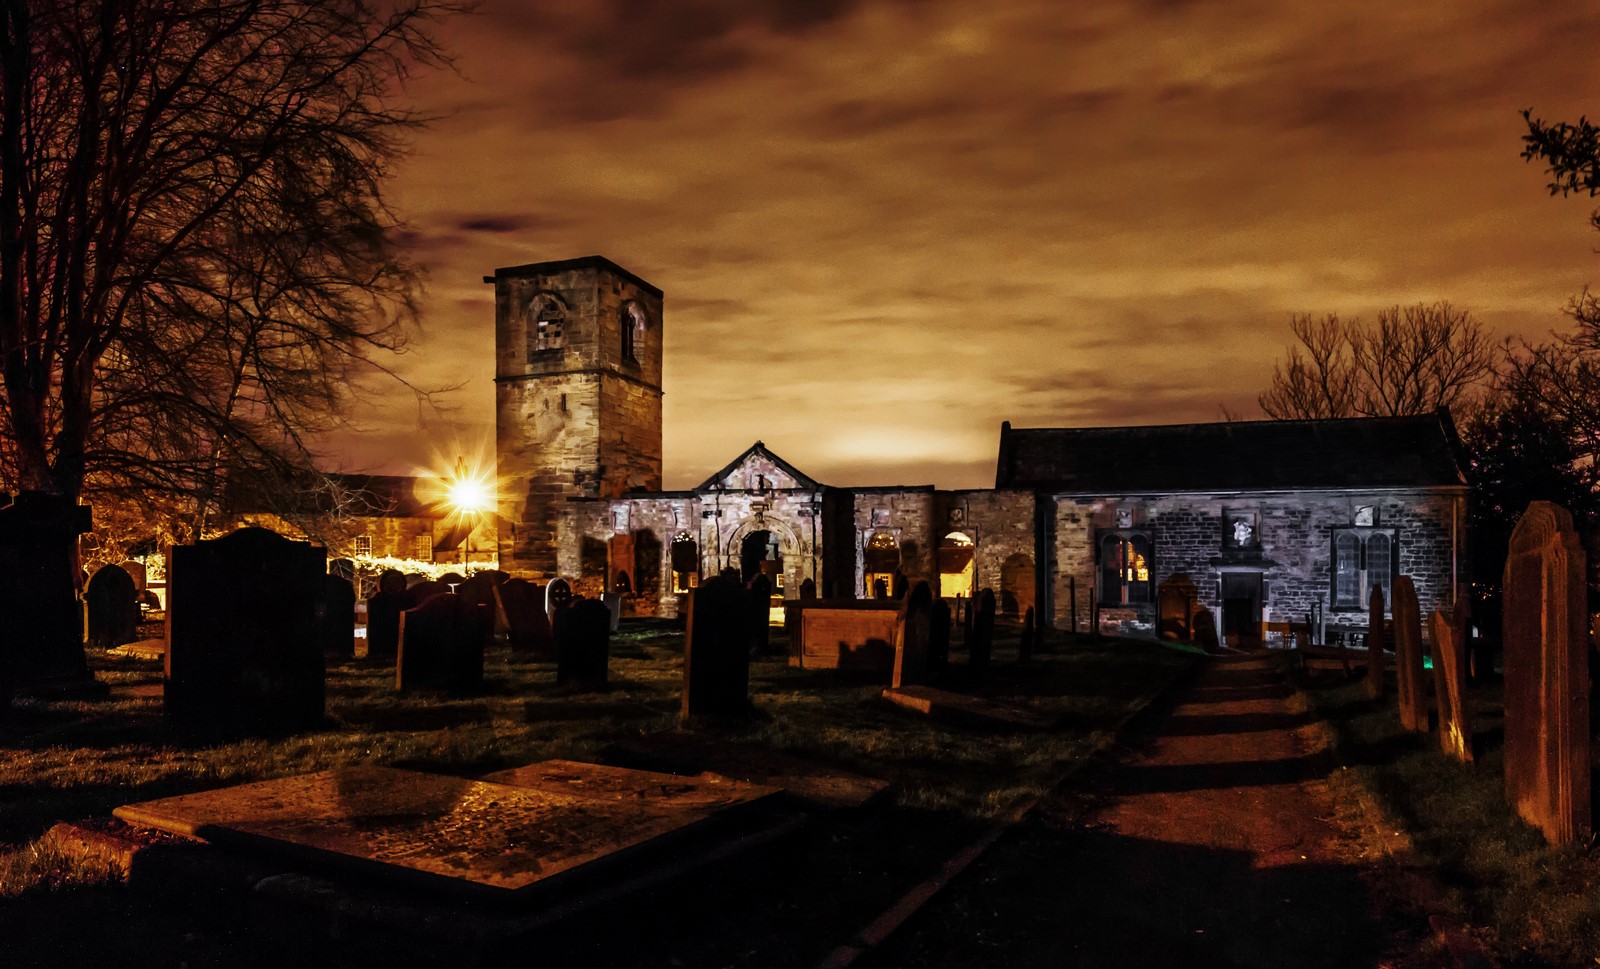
(1125, 559)
(1363, 559)
(363, 545)
(547, 326)
(425, 548)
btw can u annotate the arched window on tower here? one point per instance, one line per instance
(547, 324)
(632, 322)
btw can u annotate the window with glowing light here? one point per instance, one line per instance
(880, 561)
(425, 548)
(363, 545)
(1125, 566)
(1363, 559)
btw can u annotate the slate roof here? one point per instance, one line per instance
(1345, 454)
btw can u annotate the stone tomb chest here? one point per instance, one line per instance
(537, 829)
(847, 634)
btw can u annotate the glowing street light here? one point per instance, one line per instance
(466, 492)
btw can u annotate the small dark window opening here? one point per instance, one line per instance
(548, 326)
(631, 322)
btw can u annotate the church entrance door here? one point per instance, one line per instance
(1241, 609)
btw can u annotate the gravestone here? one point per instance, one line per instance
(557, 596)
(338, 616)
(808, 589)
(1450, 686)
(392, 581)
(758, 605)
(137, 572)
(527, 625)
(900, 587)
(419, 592)
(1375, 662)
(441, 646)
(1545, 635)
(478, 591)
(911, 647)
(583, 644)
(243, 652)
(1025, 644)
(344, 569)
(880, 589)
(1410, 686)
(939, 638)
(1205, 631)
(451, 580)
(716, 651)
(967, 616)
(43, 642)
(613, 601)
(383, 625)
(113, 608)
(981, 645)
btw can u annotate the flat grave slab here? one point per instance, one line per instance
(451, 833)
(819, 785)
(149, 649)
(710, 792)
(960, 707)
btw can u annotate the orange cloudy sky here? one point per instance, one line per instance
(884, 227)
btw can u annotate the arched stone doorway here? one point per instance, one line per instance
(685, 562)
(957, 566)
(761, 551)
(1177, 599)
(880, 560)
(1016, 585)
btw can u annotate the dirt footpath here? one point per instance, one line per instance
(1208, 841)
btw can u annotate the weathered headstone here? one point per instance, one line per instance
(478, 590)
(113, 608)
(344, 569)
(716, 651)
(613, 601)
(557, 596)
(758, 606)
(419, 592)
(911, 647)
(900, 587)
(808, 589)
(137, 572)
(243, 652)
(1545, 636)
(880, 589)
(1409, 684)
(450, 580)
(527, 625)
(1450, 686)
(441, 646)
(383, 624)
(583, 644)
(1375, 660)
(1025, 644)
(338, 618)
(967, 616)
(939, 638)
(43, 642)
(981, 645)
(392, 581)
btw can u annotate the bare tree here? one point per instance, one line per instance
(1415, 360)
(195, 256)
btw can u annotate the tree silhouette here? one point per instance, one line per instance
(196, 265)
(1414, 361)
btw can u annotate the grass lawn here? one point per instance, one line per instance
(1529, 904)
(69, 760)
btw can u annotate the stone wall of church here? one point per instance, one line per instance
(1296, 535)
(905, 514)
(1002, 528)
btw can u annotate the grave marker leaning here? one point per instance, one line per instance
(1410, 686)
(1545, 638)
(911, 647)
(1450, 686)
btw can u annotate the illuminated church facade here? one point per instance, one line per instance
(1132, 531)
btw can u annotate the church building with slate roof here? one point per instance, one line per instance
(1134, 531)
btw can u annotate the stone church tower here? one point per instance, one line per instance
(577, 396)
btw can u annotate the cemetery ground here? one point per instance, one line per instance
(73, 760)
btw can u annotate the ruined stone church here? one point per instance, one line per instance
(1129, 530)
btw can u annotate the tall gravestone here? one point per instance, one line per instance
(1409, 683)
(1450, 686)
(583, 644)
(1545, 635)
(716, 651)
(758, 609)
(383, 616)
(441, 646)
(916, 628)
(1375, 660)
(980, 645)
(808, 590)
(1025, 644)
(527, 624)
(557, 596)
(42, 645)
(1205, 631)
(243, 653)
(338, 618)
(112, 607)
